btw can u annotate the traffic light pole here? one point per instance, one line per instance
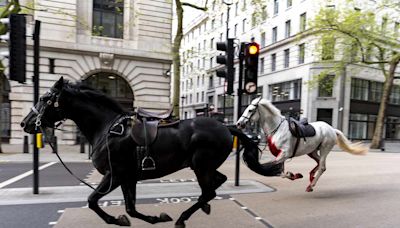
(239, 105)
(36, 58)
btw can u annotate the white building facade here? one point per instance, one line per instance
(122, 48)
(286, 65)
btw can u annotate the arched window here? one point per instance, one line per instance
(108, 16)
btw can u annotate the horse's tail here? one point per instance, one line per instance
(346, 145)
(251, 156)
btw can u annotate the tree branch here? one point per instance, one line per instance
(195, 6)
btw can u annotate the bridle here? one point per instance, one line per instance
(54, 95)
(255, 108)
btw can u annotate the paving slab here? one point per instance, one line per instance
(224, 213)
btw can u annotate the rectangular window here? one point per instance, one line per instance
(262, 66)
(276, 7)
(244, 26)
(253, 20)
(262, 40)
(289, 3)
(202, 96)
(108, 18)
(359, 89)
(302, 51)
(236, 8)
(290, 90)
(328, 48)
(273, 62)
(211, 82)
(287, 57)
(211, 43)
(212, 23)
(303, 22)
(274, 34)
(222, 19)
(264, 13)
(51, 66)
(235, 30)
(287, 28)
(325, 86)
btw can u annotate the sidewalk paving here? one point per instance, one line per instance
(71, 153)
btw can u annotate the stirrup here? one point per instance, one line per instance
(148, 163)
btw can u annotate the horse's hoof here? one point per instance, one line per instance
(180, 225)
(165, 218)
(298, 175)
(122, 220)
(309, 189)
(206, 208)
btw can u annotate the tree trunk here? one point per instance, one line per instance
(176, 59)
(387, 89)
(1, 101)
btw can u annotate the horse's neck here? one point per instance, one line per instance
(270, 120)
(92, 120)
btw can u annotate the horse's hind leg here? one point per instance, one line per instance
(320, 168)
(106, 185)
(205, 179)
(129, 191)
(219, 179)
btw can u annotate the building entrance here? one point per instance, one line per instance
(5, 109)
(114, 86)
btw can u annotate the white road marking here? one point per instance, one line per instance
(52, 223)
(60, 211)
(19, 177)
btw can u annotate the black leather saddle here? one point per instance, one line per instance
(301, 129)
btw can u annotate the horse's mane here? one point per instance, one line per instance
(271, 107)
(82, 90)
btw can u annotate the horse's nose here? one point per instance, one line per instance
(23, 124)
(240, 124)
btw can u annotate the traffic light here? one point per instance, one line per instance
(228, 71)
(251, 67)
(16, 38)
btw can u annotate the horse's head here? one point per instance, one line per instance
(250, 113)
(47, 110)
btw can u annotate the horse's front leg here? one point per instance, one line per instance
(129, 191)
(107, 184)
(282, 156)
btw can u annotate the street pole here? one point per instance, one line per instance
(227, 37)
(36, 59)
(239, 109)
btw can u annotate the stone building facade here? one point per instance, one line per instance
(122, 48)
(286, 65)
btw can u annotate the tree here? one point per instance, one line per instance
(360, 39)
(176, 57)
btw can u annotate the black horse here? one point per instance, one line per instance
(202, 144)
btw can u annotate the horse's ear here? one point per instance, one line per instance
(59, 84)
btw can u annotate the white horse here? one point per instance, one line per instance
(282, 143)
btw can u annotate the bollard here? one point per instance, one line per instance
(26, 145)
(82, 143)
(55, 144)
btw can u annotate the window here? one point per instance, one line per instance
(221, 35)
(211, 43)
(289, 3)
(212, 23)
(375, 91)
(274, 34)
(303, 22)
(276, 7)
(202, 96)
(262, 40)
(211, 82)
(51, 66)
(211, 62)
(328, 48)
(264, 13)
(108, 18)
(290, 90)
(325, 86)
(287, 29)
(253, 20)
(204, 44)
(359, 89)
(211, 100)
(244, 5)
(273, 62)
(384, 24)
(236, 8)
(222, 19)
(244, 26)
(302, 52)
(262, 66)
(235, 30)
(287, 57)
(395, 95)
